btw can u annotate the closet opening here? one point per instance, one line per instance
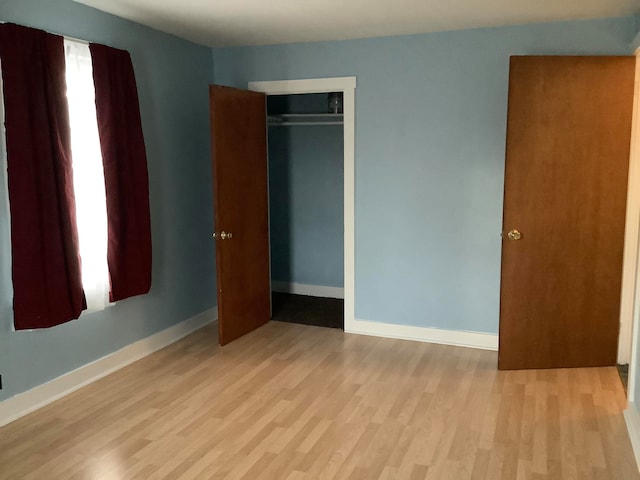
(291, 88)
(306, 207)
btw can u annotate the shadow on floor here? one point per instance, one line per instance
(623, 371)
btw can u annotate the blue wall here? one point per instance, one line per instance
(172, 77)
(430, 140)
(306, 179)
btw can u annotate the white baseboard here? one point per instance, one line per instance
(632, 419)
(310, 290)
(26, 402)
(484, 341)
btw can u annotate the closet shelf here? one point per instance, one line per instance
(292, 119)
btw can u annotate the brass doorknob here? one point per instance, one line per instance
(224, 235)
(514, 235)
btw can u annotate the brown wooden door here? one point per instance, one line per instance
(239, 154)
(568, 140)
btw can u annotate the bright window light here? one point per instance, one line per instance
(88, 175)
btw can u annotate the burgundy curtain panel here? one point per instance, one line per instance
(46, 270)
(125, 172)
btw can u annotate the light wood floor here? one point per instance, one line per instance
(296, 402)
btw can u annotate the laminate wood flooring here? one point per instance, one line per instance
(291, 402)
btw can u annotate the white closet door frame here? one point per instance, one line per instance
(346, 85)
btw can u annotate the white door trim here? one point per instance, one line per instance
(631, 232)
(629, 302)
(346, 85)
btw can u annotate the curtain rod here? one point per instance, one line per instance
(66, 37)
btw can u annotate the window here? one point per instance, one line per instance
(88, 175)
(80, 223)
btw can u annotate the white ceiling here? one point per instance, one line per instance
(263, 22)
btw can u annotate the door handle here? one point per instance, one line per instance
(223, 235)
(514, 235)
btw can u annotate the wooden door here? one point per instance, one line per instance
(239, 154)
(567, 154)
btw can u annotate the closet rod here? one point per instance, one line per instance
(291, 124)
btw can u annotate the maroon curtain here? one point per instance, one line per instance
(46, 271)
(125, 172)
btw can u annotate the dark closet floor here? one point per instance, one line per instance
(321, 312)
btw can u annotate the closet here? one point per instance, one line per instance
(306, 208)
